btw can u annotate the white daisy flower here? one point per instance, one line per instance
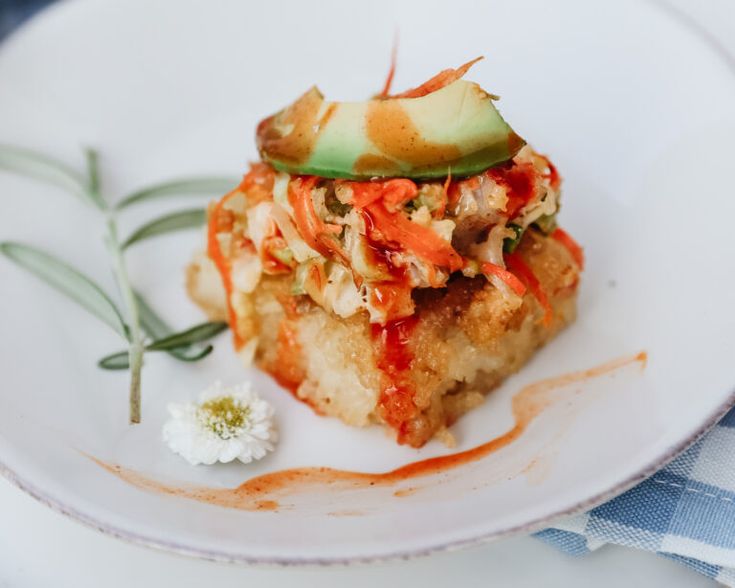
(227, 423)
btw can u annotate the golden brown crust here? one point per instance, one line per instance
(467, 338)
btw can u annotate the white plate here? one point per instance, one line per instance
(635, 110)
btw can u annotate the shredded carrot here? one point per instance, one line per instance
(442, 208)
(381, 201)
(516, 265)
(454, 193)
(271, 264)
(393, 192)
(552, 175)
(510, 279)
(572, 246)
(214, 251)
(443, 78)
(317, 234)
(315, 280)
(258, 183)
(397, 192)
(392, 71)
(425, 243)
(363, 193)
(318, 274)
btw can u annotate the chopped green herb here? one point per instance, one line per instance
(510, 243)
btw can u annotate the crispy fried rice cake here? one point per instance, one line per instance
(392, 261)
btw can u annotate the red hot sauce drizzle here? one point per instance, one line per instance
(520, 180)
(391, 341)
(393, 294)
(263, 492)
(393, 357)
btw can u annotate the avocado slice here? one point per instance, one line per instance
(455, 128)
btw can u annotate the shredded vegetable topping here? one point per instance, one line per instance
(220, 222)
(512, 280)
(366, 245)
(402, 200)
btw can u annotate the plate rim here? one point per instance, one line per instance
(537, 524)
(687, 22)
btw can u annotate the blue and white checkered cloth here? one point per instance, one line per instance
(14, 12)
(685, 512)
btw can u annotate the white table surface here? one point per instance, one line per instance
(39, 547)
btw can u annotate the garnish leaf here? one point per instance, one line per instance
(67, 280)
(510, 243)
(190, 354)
(195, 334)
(158, 329)
(36, 165)
(168, 223)
(121, 359)
(184, 345)
(208, 186)
(115, 361)
(152, 324)
(93, 182)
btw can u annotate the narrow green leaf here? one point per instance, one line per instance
(115, 361)
(36, 165)
(193, 335)
(191, 353)
(93, 181)
(159, 330)
(206, 186)
(156, 328)
(152, 324)
(67, 280)
(168, 223)
(121, 361)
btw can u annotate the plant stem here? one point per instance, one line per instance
(135, 334)
(136, 349)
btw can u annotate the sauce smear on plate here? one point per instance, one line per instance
(262, 492)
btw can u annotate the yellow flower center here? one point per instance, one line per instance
(226, 416)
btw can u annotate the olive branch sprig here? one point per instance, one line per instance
(137, 324)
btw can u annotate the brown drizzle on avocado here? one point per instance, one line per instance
(298, 122)
(368, 162)
(393, 132)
